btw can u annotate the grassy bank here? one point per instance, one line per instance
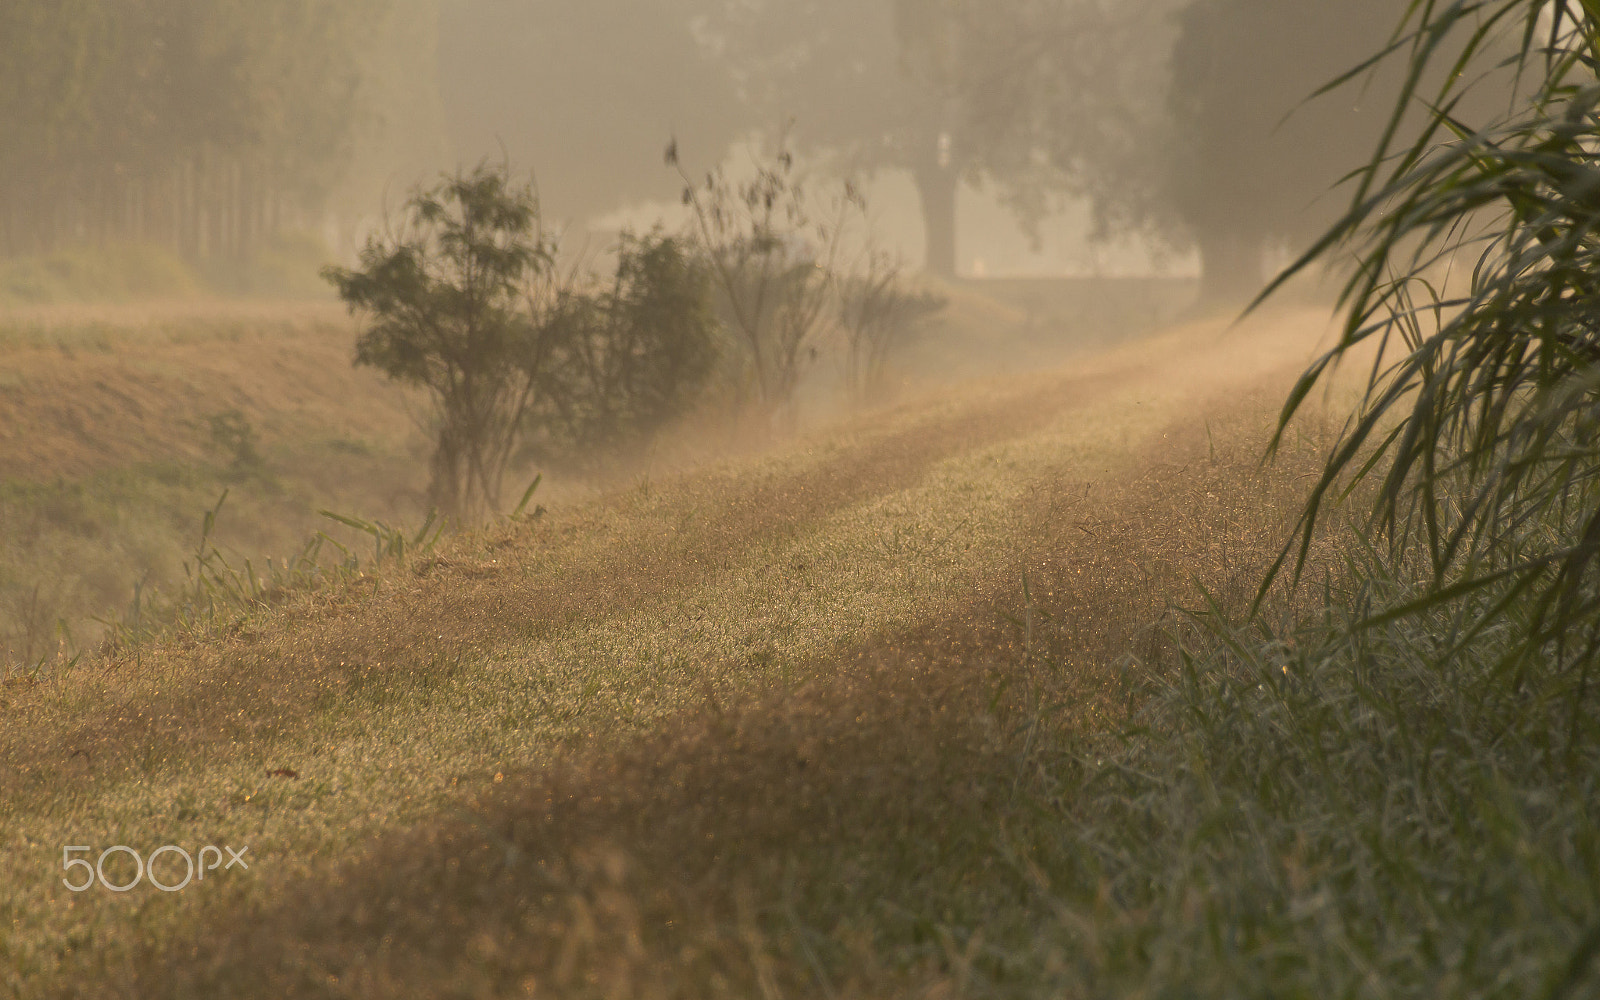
(120, 426)
(646, 673)
(79, 552)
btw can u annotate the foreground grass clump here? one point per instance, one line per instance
(126, 550)
(1338, 809)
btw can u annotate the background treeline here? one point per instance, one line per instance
(1167, 117)
(202, 126)
(207, 126)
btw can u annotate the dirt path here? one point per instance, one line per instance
(639, 667)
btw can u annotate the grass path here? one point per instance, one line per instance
(784, 652)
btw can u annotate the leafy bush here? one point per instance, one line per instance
(630, 357)
(465, 302)
(446, 301)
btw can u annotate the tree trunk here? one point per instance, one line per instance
(1230, 267)
(937, 187)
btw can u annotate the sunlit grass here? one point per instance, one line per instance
(399, 698)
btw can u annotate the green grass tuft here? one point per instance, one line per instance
(1330, 809)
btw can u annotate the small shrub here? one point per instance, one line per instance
(466, 303)
(234, 437)
(878, 314)
(771, 261)
(447, 300)
(631, 356)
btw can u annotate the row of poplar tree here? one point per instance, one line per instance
(201, 125)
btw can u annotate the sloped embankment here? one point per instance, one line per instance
(747, 730)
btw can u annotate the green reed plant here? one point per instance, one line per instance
(1327, 808)
(1477, 277)
(1392, 797)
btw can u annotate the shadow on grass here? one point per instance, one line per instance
(874, 834)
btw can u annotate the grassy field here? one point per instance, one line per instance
(902, 706)
(769, 726)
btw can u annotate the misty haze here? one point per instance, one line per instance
(799, 498)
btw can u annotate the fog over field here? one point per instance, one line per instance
(799, 498)
(1087, 171)
(1046, 138)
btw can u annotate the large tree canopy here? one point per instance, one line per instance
(1258, 146)
(1032, 97)
(945, 91)
(1254, 157)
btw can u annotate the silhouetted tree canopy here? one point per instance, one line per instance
(1034, 98)
(1253, 159)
